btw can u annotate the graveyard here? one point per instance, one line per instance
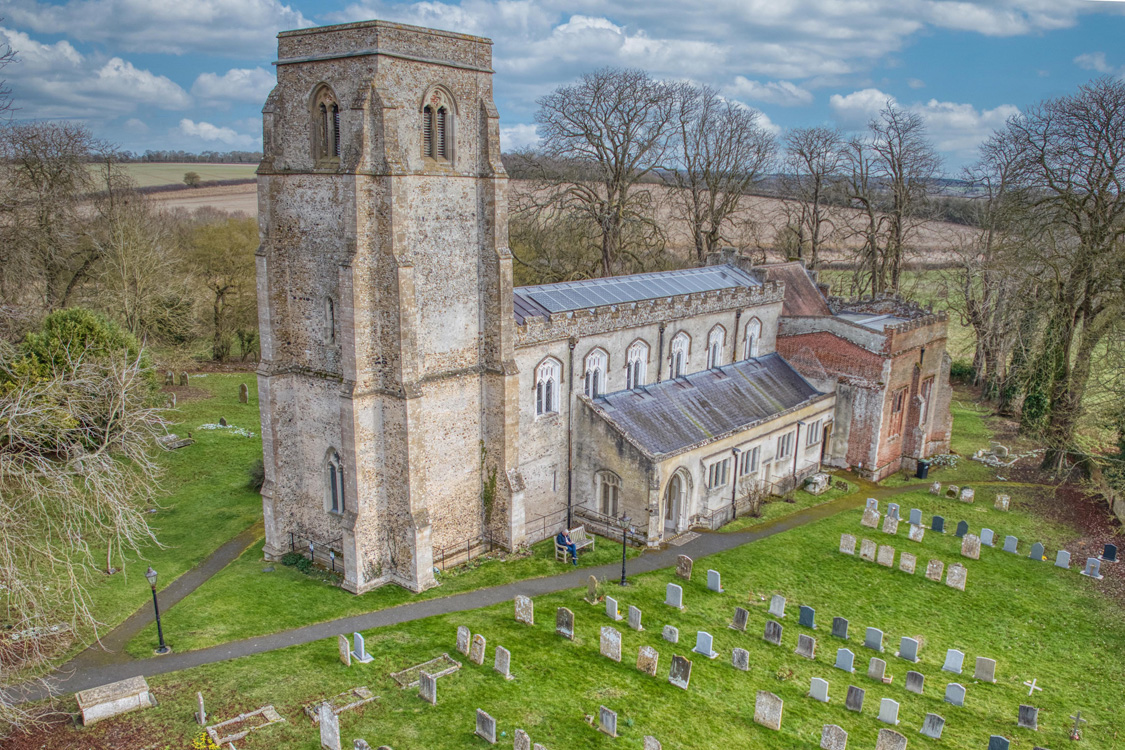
(779, 652)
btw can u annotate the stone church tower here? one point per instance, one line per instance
(387, 384)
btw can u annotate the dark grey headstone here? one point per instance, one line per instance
(773, 632)
(607, 721)
(937, 524)
(1028, 717)
(680, 673)
(932, 726)
(996, 742)
(741, 617)
(962, 529)
(807, 617)
(840, 627)
(1109, 554)
(915, 682)
(854, 701)
(1036, 552)
(908, 649)
(874, 639)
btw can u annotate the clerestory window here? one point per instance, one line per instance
(596, 365)
(547, 376)
(636, 365)
(681, 349)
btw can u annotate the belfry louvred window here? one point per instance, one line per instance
(440, 134)
(428, 131)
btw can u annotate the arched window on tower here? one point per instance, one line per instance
(437, 126)
(334, 476)
(326, 129)
(715, 342)
(330, 320)
(547, 377)
(753, 337)
(636, 365)
(596, 365)
(681, 350)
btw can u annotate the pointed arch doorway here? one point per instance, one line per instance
(675, 500)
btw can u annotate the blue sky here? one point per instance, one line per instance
(192, 74)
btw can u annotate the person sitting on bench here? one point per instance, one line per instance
(563, 540)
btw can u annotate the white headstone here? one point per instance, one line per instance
(714, 582)
(954, 661)
(888, 711)
(674, 596)
(818, 690)
(359, 652)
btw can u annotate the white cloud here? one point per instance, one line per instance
(1096, 61)
(205, 131)
(118, 77)
(237, 84)
(856, 109)
(518, 137)
(915, 83)
(783, 93)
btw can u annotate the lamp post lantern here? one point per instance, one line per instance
(150, 574)
(625, 520)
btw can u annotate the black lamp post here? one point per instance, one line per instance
(150, 574)
(625, 520)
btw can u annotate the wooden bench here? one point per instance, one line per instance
(581, 541)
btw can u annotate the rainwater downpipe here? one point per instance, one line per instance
(570, 434)
(796, 451)
(734, 485)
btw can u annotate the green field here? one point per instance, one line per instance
(153, 174)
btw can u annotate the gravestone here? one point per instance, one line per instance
(962, 529)
(171, 400)
(908, 649)
(840, 627)
(427, 687)
(888, 711)
(956, 577)
(807, 617)
(503, 662)
(868, 550)
(915, 682)
(611, 610)
(847, 544)
(680, 673)
(955, 694)
(818, 690)
(890, 525)
(647, 660)
(346, 652)
(651, 743)
(200, 710)
(463, 638)
(892, 511)
(476, 653)
(967, 495)
(937, 525)
(876, 668)
(1109, 553)
(674, 596)
(987, 537)
(522, 741)
(996, 742)
(740, 659)
(183, 378)
(932, 726)
(525, 610)
(767, 710)
(777, 606)
(359, 652)
(845, 660)
(592, 590)
(873, 639)
(917, 533)
(1062, 559)
(773, 632)
(170, 378)
(915, 516)
(934, 570)
(854, 700)
(1028, 717)
(952, 491)
(935, 488)
(607, 721)
(564, 623)
(741, 617)
(635, 618)
(243, 393)
(870, 518)
(714, 582)
(1002, 502)
(886, 556)
(872, 504)
(985, 670)
(1037, 552)
(611, 643)
(954, 661)
(329, 727)
(833, 737)
(806, 646)
(683, 567)
(671, 634)
(703, 642)
(1093, 568)
(1011, 544)
(907, 563)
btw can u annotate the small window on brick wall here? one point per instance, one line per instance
(898, 407)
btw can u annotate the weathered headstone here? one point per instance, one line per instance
(890, 525)
(169, 378)
(680, 673)
(892, 511)
(806, 646)
(674, 596)
(611, 610)
(955, 694)
(651, 743)
(607, 721)
(703, 642)
(807, 617)
(611, 643)
(970, 547)
(934, 570)
(840, 627)
(870, 518)
(935, 488)
(847, 544)
(952, 491)
(1109, 553)
(985, 670)
(1002, 502)
(932, 726)
(243, 393)
(201, 711)
(957, 576)
(967, 495)
(937, 525)
(907, 563)
(525, 610)
(908, 649)
(876, 668)
(635, 618)
(845, 660)
(777, 606)
(1011, 544)
(873, 639)
(647, 660)
(1036, 552)
(521, 740)
(954, 661)
(503, 662)
(886, 556)
(714, 581)
(773, 632)
(427, 687)
(917, 533)
(996, 742)
(867, 550)
(854, 699)
(463, 639)
(1028, 717)
(671, 634)
(329, 727)
(987, 537)
(564, 623)
(171, 400)
(183, 378)
(592, 590)
(818, 689)
(683, 567)
(888, 711)
(346, 651)
(767, 710)
(476, 653)
(915, 516)
(486, 727)
(740, 659)
(1093, 568)
(872, 504)
(833, 737)
(1062, 559)
(359, 652)
(915, 682)
(741, 617)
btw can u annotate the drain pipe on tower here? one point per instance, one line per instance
(570, 433)
(734, 486)
(796, 444)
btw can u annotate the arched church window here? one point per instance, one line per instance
(596, 365)
(681, 350)
(715, 342)
(437, 126)
(330, 320)
(326, 128)
(334, 476)
(609, 493)
(636, 365)
(547, 377)
(753, 337)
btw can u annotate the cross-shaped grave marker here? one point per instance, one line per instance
(1075, 734)
(1033, 687)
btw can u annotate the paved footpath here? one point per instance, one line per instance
(85, 672)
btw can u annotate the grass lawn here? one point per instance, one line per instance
(779, 508)
(1036, 620)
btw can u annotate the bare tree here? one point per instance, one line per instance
(612, 128)
(722, 150)
(221, 259)
(814, 158)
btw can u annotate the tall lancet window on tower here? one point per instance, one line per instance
(437, 126)
(334, 476)
(326, 124)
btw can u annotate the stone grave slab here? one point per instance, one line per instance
(818, 690)
(956, 577)
(845, 660)
(868, 550)
(954, 661)
(773, 632)
(996, 742)
(952, 491)
(647, 660)
(345, 650)
(1062, 559)
(200, 711)
(970, 547)
(888, 711)
(840, 627)
(564, 623)
(113, 699)
(635, 618)
(427, 688)
(934, 570)
(886, 556)
(683, 567)
(651, 743)
(476, 653)
(985, 670)
(892, 510)
(439, 667)
(740, 659)
(932, 726)
(917, 533)
(238, 728)
(935, 488)
(1003, 502)
(967, 495)
(1109, 553)
(806, 646)
(908, 649)
(741, 618)
(671, 634)
(607, 721)
(611, 643)
(359, 650)
(890, 525)
(807, 617)
(1037, 552)
(714, 581)
(1011, 544)
(525, 610)
(915, 517)
(703, 643)
(915, 682)
(876, 669)
(329, 728)
(955, 694)
(1028, 717)
(907, 563)
(611, 610)
(1093, 568)
(870, 518)
(937, 525)
(503, 662)
(847, 544)
(777, 606)
(833, 737)
(592, 590)
(988, 537)
(345, 701)
(521, 740)
(873, 639)
(486, 727)
(872, 503)
(674, 596)
(854, 699)
(680, 673)
(767, 710)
